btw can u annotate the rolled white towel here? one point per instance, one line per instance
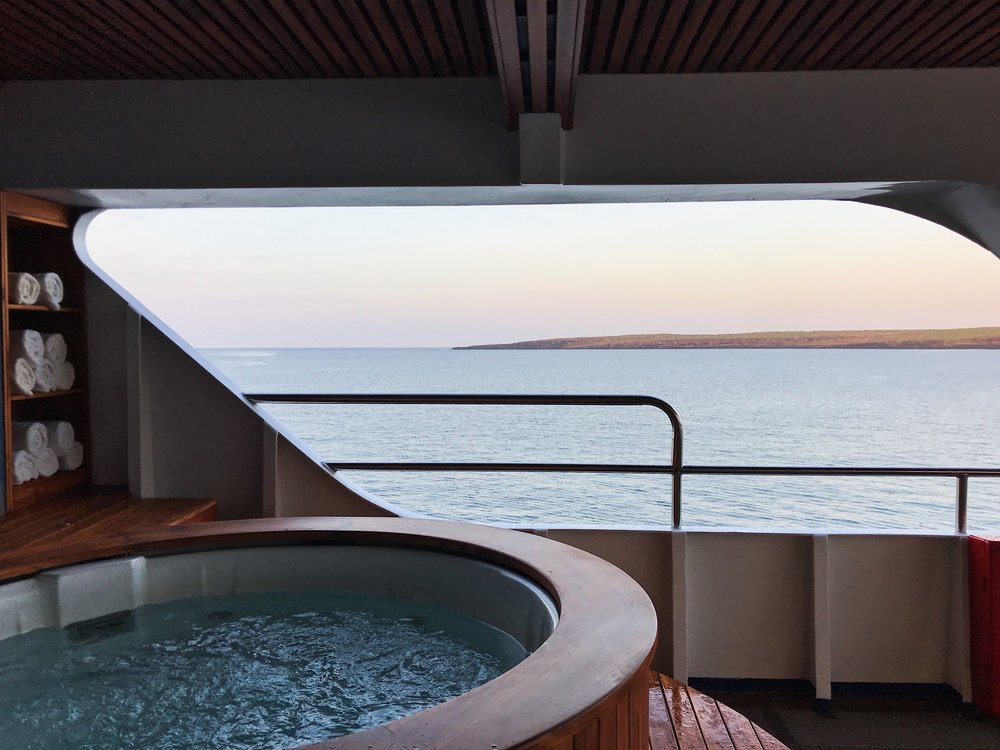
(51, 294)
(32, 437)
(27, 345)
(59, 436)
(23, 467)
(22, 376)
(47, 463)
(45, 377)
(65, 376)
(22, 289)
(55, 347)
(73, 459)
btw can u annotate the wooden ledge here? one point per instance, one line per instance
(55, 530)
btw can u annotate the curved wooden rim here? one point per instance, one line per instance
(605, 636)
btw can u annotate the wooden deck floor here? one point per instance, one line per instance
(681, 718)
(40, 536)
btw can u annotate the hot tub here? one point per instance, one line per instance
(589, 630)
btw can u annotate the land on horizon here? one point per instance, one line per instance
(931, 338)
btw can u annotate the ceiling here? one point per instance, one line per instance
(535, 48)
(700, 36)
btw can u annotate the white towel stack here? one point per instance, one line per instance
(65, 376)
(73, 459)
(27, 345)
(45, 377)
(22, 376)
(26, 351)
(51, 293)
(60, 436)
(22, 289)
(54, 347)
(43, 448)
(47, 463)
(30, 440)
(24, 467)
(32, 437)
(38, 363)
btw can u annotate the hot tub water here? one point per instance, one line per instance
(242, 671)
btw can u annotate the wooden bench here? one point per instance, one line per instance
(42, 536)
(681, 718)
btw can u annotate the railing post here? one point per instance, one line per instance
(677, 499)
(962, 503)
(677, 464)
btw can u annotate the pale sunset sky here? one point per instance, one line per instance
(451, 276)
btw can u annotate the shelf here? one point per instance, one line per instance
(30, 210)
(43, 308)
(50, 394)
(32, 492)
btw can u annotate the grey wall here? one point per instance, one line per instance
(199, 134)
(107, 382)
(644, 555)
(848, 126)
(303, 488)
(737, 128)
(195, 437)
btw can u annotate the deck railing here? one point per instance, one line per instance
(675, 467)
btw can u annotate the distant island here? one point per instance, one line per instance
(934, 338)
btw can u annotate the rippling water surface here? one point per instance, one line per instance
(745, 407)
(262, 671)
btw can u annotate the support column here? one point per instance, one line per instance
(541, 148)
(678, 540)
(822, 662)
(140, 448)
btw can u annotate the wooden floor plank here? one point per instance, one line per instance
(741, 729)
(767, 742)
(661, 730)
(682, 716)
(713, 728)
(698, 721)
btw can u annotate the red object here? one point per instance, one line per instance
(984, 611)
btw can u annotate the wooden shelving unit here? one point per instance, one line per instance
(36, 236)
(42, 308)
(50, 394)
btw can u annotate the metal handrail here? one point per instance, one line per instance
(675, 468)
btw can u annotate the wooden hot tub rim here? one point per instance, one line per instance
(585, 671)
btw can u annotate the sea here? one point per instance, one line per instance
(746, 407)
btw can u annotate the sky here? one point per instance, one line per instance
(461, 275)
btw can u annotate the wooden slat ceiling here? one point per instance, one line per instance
(535, 47)
(192, 39)
(713, 36)
(183, 39)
